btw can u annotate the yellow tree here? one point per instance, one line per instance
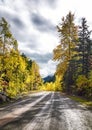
(35, 75)
(65, 50)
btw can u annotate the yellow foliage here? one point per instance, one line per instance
(81, 81)
(52, 86)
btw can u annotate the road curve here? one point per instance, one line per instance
(45, 111)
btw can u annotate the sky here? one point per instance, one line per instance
(33, 24)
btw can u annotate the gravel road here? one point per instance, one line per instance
(45, 111)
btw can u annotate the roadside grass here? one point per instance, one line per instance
(85, 102)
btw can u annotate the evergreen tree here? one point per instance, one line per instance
(85, 46)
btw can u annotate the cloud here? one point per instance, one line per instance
(17, 22)
(47, 3)
(33, 24)
(2, 1)
(42, 24)
(48, 68)
(52, 3)
(40, 58)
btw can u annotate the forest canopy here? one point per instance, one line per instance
(18, 73)
(74, 54)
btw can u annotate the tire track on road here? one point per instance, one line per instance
(18, 111)
(41, 121)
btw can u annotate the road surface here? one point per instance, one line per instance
(45, 111)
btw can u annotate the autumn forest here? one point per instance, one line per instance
(20, 74)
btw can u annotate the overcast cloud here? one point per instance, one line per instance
(33, 24)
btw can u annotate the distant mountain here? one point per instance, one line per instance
(49, 78)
